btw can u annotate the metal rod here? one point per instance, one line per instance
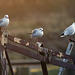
(44, 68)
(68, 52)
(9, 63)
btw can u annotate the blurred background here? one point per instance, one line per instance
(25, 15)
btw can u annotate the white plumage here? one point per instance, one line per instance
(69, 31)
(4, 21)
(37, 32)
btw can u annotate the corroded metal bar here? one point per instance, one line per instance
(25, 62)
(26, 52)
(5, 54)
(68, 52)
(63, 64)
(22, 42)
(2, 54)
(1, 61)
(42, 49)
(39, 57)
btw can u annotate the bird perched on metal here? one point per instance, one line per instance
(69, 31)
(37, 33)
(4, 21)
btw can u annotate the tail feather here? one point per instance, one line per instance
(62, 35)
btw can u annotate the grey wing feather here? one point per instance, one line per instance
(1, 21)
(69, 30)
(34, 31)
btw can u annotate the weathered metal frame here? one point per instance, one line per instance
(43, 50)
(47, 57)
(68, 52)
(40, 57)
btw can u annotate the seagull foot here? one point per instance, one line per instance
(71, 40)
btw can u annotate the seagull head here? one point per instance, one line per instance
(41, 29)
(6, 16)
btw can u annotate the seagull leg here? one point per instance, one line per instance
(36, 39)
(69, 38)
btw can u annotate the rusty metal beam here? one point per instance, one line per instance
(39, 57)
(26, 52)
(25, 62)
(63, 64)
(22, 42)
(34, 47)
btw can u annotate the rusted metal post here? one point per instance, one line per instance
(43, 64)
(3, 69)
(4, 42)
(1, 62)
(68, 52)
(2, 55)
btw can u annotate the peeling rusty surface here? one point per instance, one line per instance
(3, 53)
(60, 55)
(35, 47)
(25, 52)
(17, 40)
(23, 42)
(3, 60)
(40, 57)
(4, 38)
(27, 44)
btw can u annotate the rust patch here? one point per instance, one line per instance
(17, 40)
(27, 44)
(60, 54)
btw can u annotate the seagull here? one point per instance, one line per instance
(37, 33)
(69, 31)
(4, 21)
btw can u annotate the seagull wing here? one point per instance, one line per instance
(1, 21)
(34, 31)
(69, 30)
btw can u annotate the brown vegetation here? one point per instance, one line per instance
(53, 15)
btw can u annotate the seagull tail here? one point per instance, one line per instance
(62, 35)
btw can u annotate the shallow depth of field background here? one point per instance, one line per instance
(53, 15)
